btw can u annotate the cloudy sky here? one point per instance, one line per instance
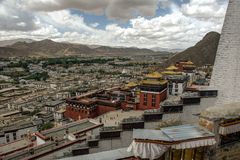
(173, 24)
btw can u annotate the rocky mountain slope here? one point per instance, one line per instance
(204, 52)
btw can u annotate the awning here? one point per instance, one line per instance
(152, 144)
(229, 129)
(154, 150)
(195, 144)
(147, 150)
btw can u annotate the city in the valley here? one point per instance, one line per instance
(72, 101)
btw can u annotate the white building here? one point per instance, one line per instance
(16, 132)
(53, 106)
(59, 117)
(177, 84)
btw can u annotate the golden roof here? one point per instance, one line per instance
(188, 63)
(154, 82)
(171, 68)
(61, 111)
(171, 73)
(137, 92)
(131, 84)
(125, 88)
(154, 75)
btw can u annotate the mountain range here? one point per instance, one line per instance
(11, 42)
(49, 48)
(203, 52)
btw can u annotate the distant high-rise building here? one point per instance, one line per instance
(226, 71)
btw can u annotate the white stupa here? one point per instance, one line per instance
(226, 71)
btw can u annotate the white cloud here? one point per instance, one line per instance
(125, 10)
(13, 17)
(204, 9)
(91, 6)
(181, 28)
(114, 9)
(174, 30)
(21, 24)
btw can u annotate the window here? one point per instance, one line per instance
(7, 138)
(153, 100)
(176, 90)
(170, 87)
(145, 99)
(14, 136)
(176, 85)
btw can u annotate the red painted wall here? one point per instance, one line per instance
(159, 98)
(125, 104)
(104, 109)
(74, 114)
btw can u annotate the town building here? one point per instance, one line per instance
(92, 105)
(153, 90)
(81, 108)
(132, 93)
(189, 69)
(177, 81)
(13, 147)
(59, 118)
(54, 105)
(16, 132)
(14, 70)
(50, 143)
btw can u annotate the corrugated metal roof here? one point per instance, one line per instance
(146, 134)
(175, 133)
(185, 132)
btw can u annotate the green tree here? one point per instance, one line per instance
(46, 126)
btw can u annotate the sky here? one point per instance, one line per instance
(168, 24)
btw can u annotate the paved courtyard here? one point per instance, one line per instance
(115, 117)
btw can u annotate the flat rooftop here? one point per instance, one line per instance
(190, 95)
(114, 118)
(54, 103)
(20, 125)
(85, 101)
(73, 127)
(12, 147)
(8, 89)
(9, 113)
(107, 155)
(207, 88)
